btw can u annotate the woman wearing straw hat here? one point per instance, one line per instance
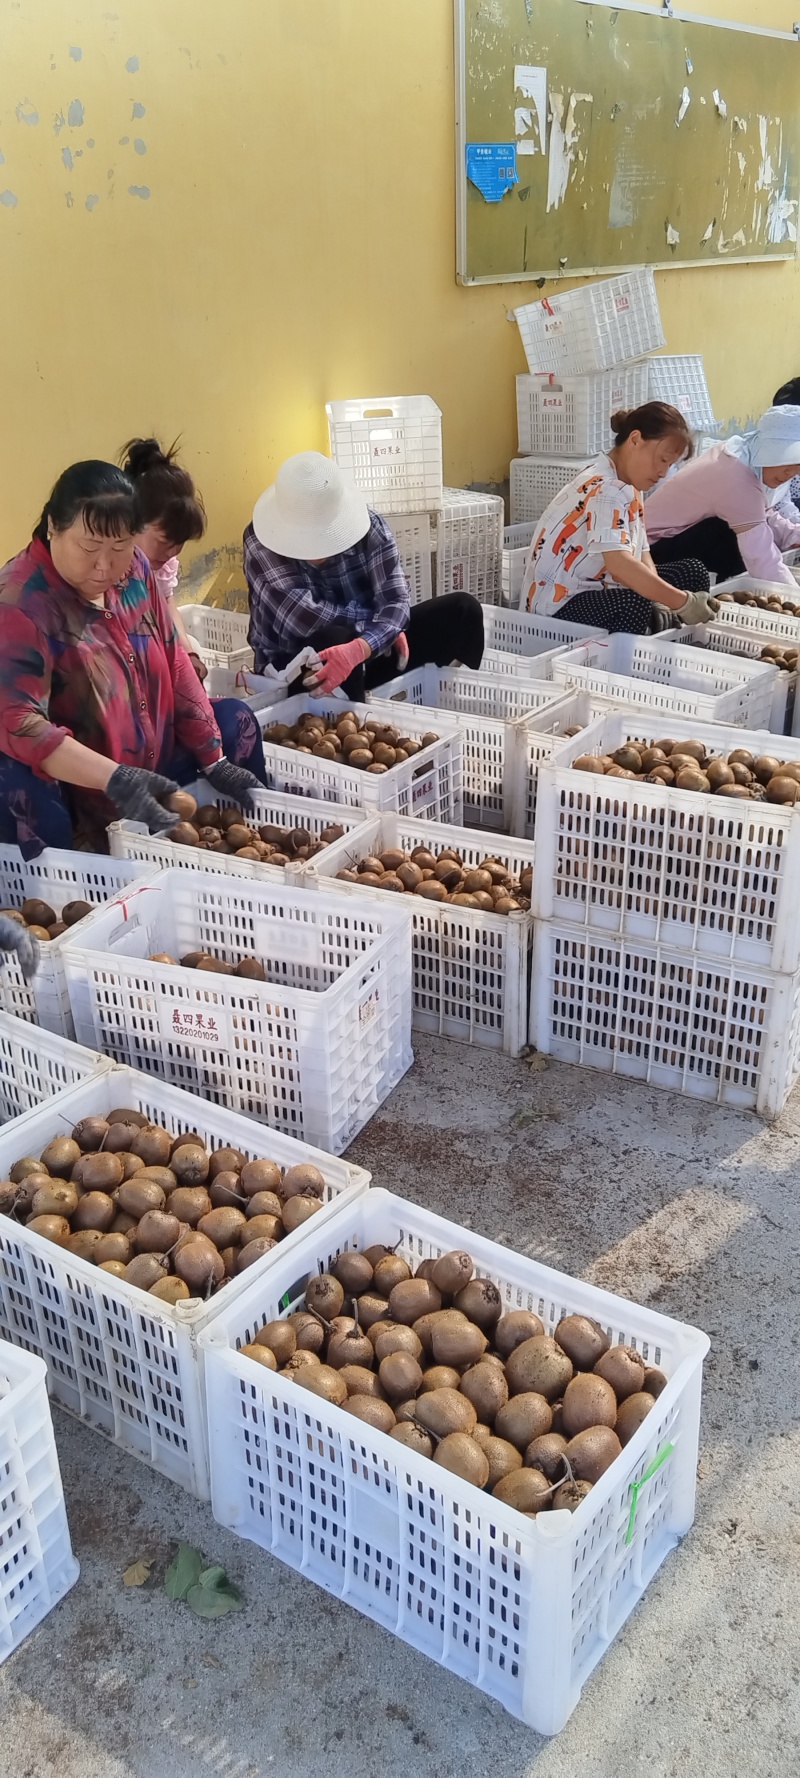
(324, 572)
(719, 507)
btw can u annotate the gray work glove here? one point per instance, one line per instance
(696, 609)
(16, 937)
(135, 794)
(233, 781)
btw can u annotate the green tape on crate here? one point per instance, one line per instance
(663, 1454)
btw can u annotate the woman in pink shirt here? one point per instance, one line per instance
(719, 507)
(172, 514)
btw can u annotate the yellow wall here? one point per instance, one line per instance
(297, 243)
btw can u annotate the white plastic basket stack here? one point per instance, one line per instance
(117, 1358)
(55, 877)
(391, 447)
(313, 1050)
(414, 538)
(132, 839)
(37, 1566)
(529, 634)
(517, 540)
(594, 328)
(427, 786)
(667, 947)
(522, 1608)
(469, 968)
(571, 416)
(746, 644)
(469, 545)
(673, 677)
(535, 481)
(220, 636)
(680, 380)
(36, 1064)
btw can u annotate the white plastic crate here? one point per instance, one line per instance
(414, 539)
(596, 327)
(680, 379)
(535, 481)
(221, 636)
(748, 583)
(683, 869)
(529, 633)
(117, 1358)
(255, 689)
(514, 563)
(131, 839)
(536, 740)
(519, 536)
(391, 446)
(486, 708)
(469, 968)
(573, 414)
(36, 1064)
(746, 644)
(313, 1050)
(469, 545)
(657, 673)
(711, 1029)
(427, 786)
(55, 877)
(522, 1608)
(37, 1566)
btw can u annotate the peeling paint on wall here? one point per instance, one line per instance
(92, 199)
(75, 114)
(27, 113)
(139, 147)
(132, 65)
(138, 109)
(66, 156)
(8, 199)
(139, 191)
(75, 52)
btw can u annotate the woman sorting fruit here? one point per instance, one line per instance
(589, 561)
(323, 571)
(101, 714)
(171, 513)
(720, 508)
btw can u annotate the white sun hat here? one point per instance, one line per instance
(311, 511)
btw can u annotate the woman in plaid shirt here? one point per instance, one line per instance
(323, 571)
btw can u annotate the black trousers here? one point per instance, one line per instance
(712, 542)
(619, 609)
(438, 631)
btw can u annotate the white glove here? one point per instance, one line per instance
(696, 609)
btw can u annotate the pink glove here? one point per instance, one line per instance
(401, 651)
(337, 665)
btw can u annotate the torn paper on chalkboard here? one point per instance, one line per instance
(492, 166)
(532, 84)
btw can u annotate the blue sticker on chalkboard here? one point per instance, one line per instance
(492, 166)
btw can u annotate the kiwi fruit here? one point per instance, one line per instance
(592, 1452)
(199, 1264)
(413, 1437)
(52, 1228)
(22, 1169)
(101, 1172)
(371, 1411)
(527, 1490)
(298, 1361)
(388, 1272)
(324, 1294)
(189, 1163)
(138, 1195)
(546, 1453)
(654, 1381)
(303, 1180)
(59, 1157)
(622, 1367)
(583, 1340)
(90, 1133)
(571, 1495)
(119, 1138)
(145, 1270)
(440, 1376)
(457, 1341)
(38, 913)
(501, 1457)
(308, 1331)
(452, 1272)
(114, 1267)
(481, 1302)
(588, 1401)
(353, 1271)
(170, 1290)
(262, 1355)
(298, 1211)
(523, 1418)
(445, 1410)
(633, 1410)
(57, 1197)
(254, 1251)
(153, 1145)
(413, 1298)
(514, 1328)
(321, 1379)
(224, 1189)
(114, 1245)
(486, 1387)
(539, 1365)
(231, 1160)
(361, 1381)
(256, 1176)
(400, 1375)
(351, 1347)
(225, 1226)
(96, 1210)
(157, 1232)
(460, 1454)
(396, 1339)
(189, 1203)
(84, 1244)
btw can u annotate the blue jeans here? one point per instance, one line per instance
(35, 812)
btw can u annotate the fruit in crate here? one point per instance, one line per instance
(247, 968)
(156, 1209)
(372, 745)
(687, 765)
(233, 834)
(757, 601)
(43, 921)
(443, 876)
(785, 658)
(431, 1358)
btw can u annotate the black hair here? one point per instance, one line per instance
(655, 419)
(96, 491)
(788, 395)
(165, 493)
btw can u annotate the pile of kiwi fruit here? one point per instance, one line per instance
(688, 765)
(158, 1210)
(443, 876)
(246, 968)
(228, 831)
(757, 601)
(43, 921)
(775, 656)
(432, 1360)
(372, 745)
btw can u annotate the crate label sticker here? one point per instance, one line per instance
(208, 1026)
(553, 403)
(423, 788)
(622, 304)
(554, 326)
(387, 446)
(128, 939)
(368, 1009)
(457, 578)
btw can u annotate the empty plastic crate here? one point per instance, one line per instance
(597, 327)
(521, 1608)
(117, 1358)
(681, 868)
(655, 673)
(680, 380)
(427, 786)
(391, 446)
(469, 545)
(220, 636)
(55, 877)
(537, 740)
(469, 968)
(131, 839)
(513, 574)
(535, 481)
(35, 1064)
(414, 539)
(37, 1566)
(573, 414)
(313, 1050)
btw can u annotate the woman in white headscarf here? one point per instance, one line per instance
(718, 508)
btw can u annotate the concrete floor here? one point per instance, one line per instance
(685, 1207)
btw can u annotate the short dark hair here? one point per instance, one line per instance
(788, 395)
(96, 491)
(165, 493)
(654, 419)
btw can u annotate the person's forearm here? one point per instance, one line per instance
(626, 571)
(72, 763)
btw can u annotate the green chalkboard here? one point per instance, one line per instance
(640, 138)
